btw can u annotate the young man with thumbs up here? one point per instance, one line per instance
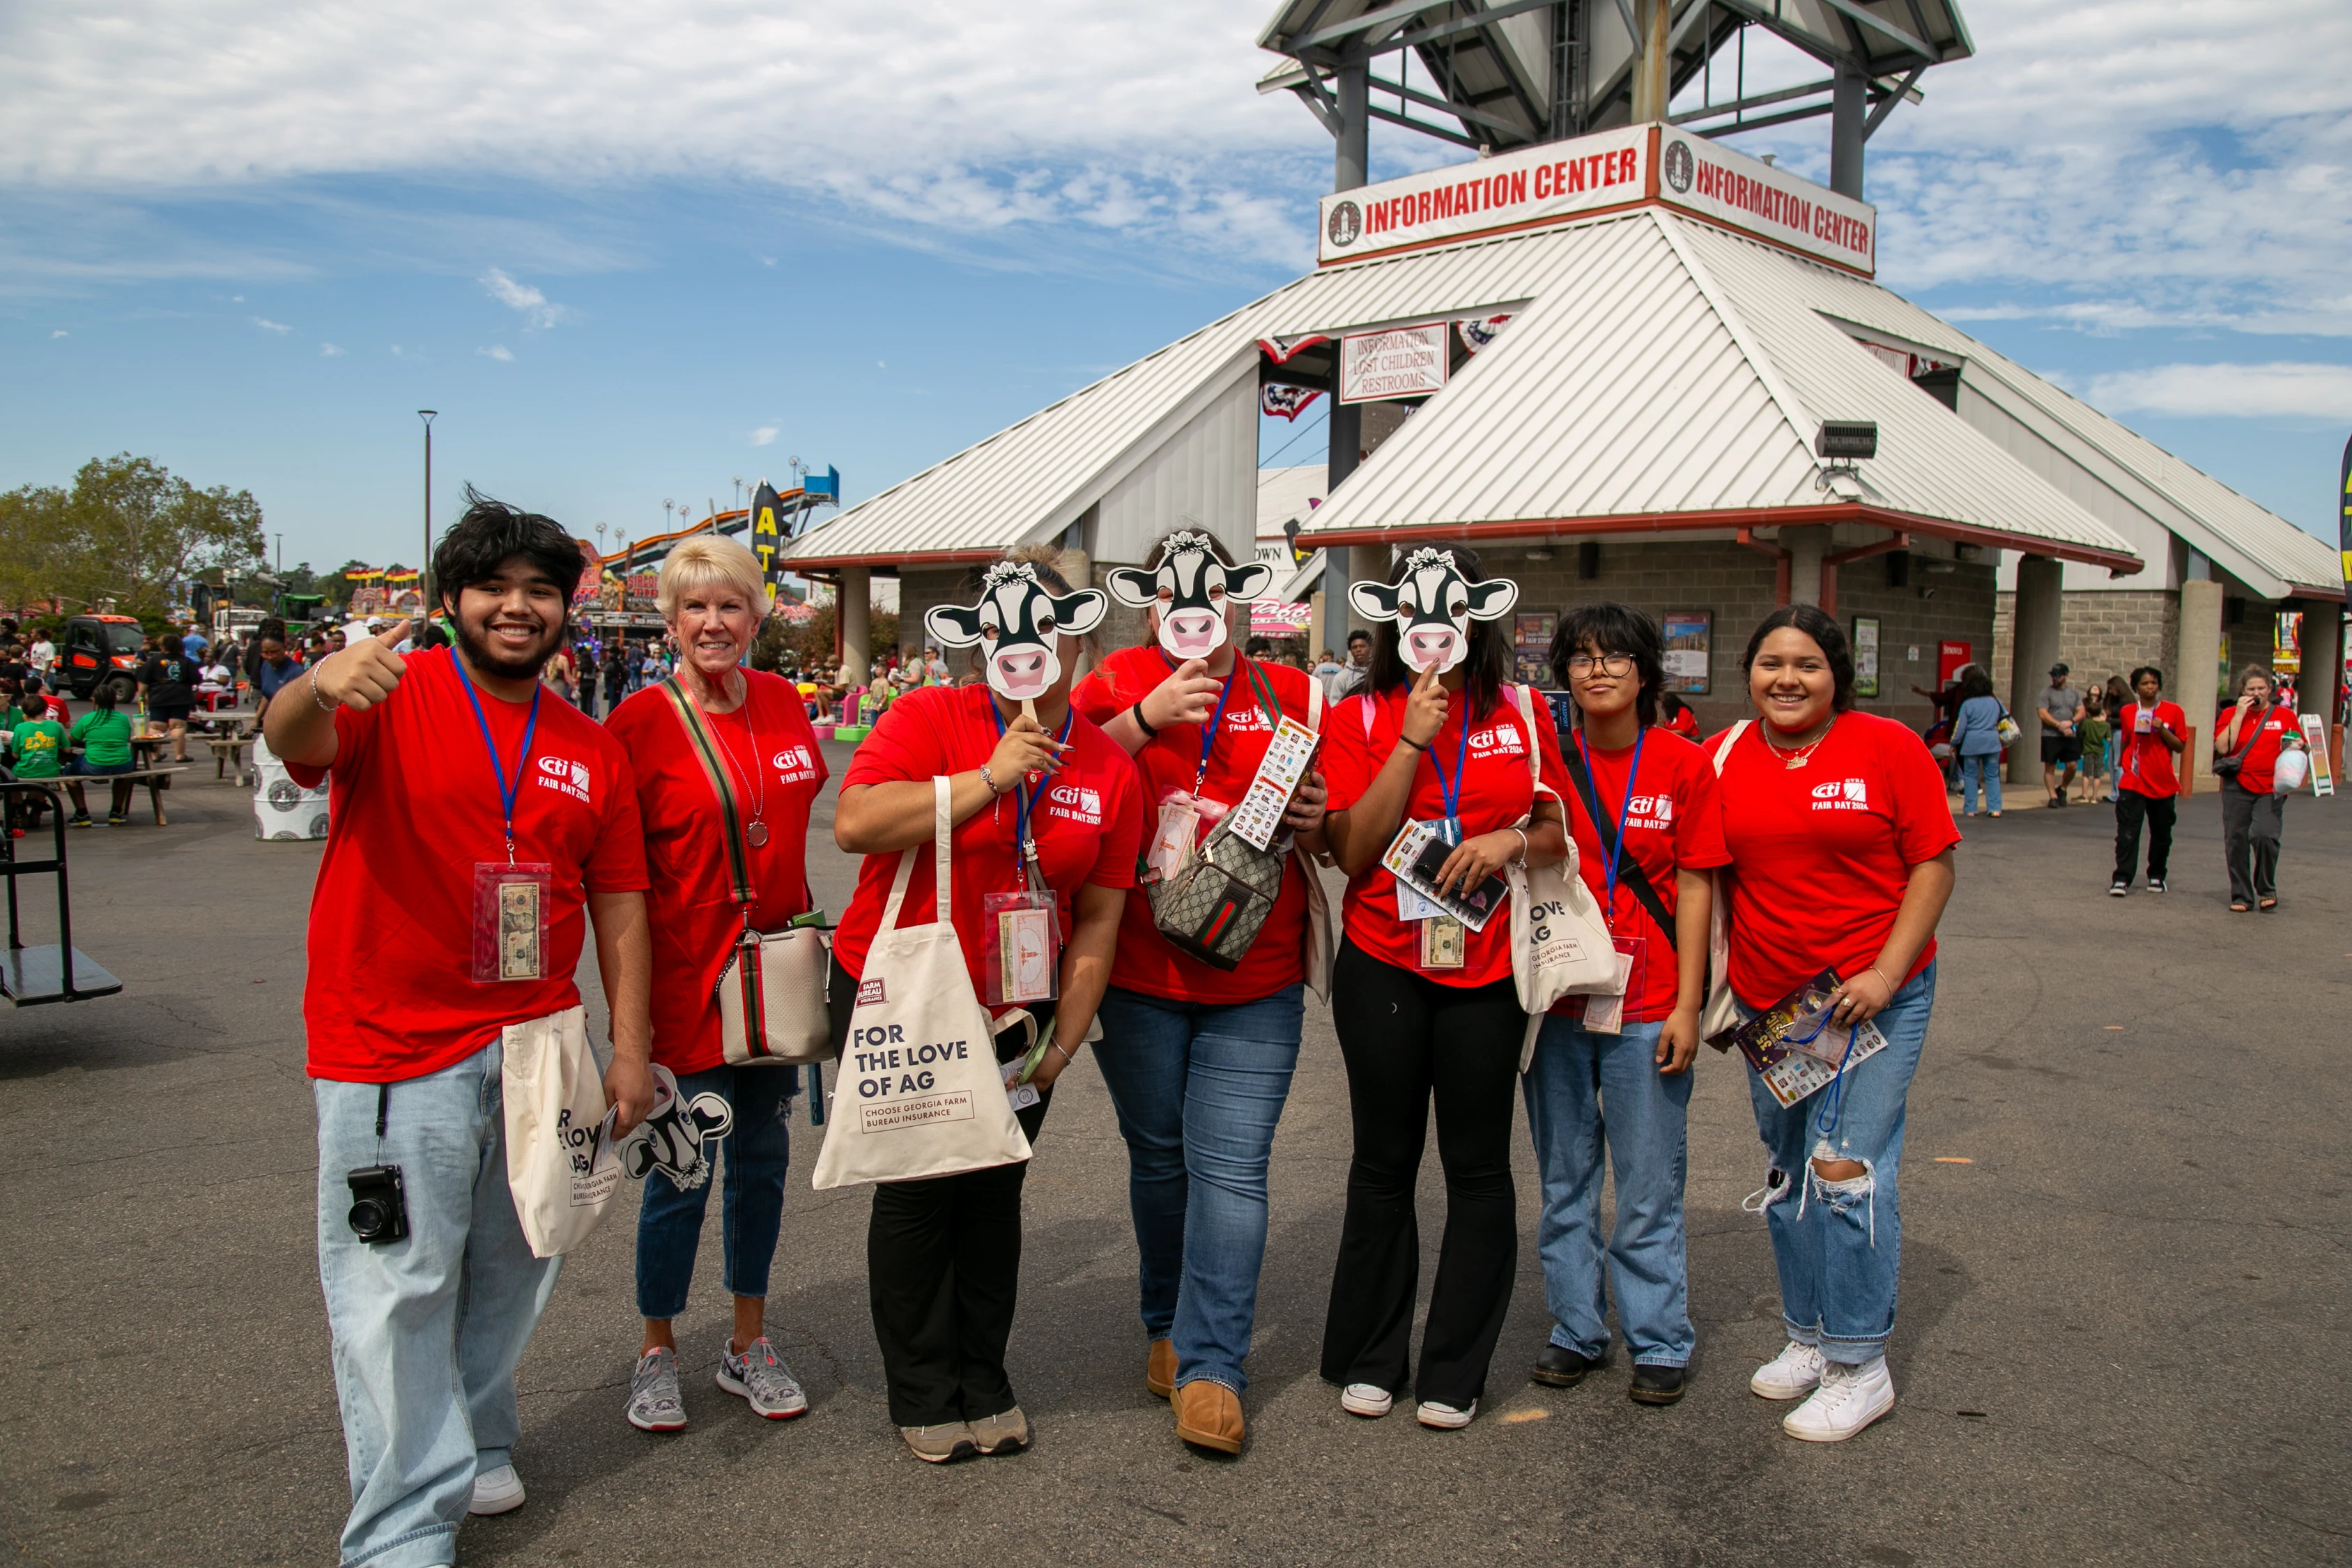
(473, 822)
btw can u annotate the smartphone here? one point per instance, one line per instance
(1485, 896)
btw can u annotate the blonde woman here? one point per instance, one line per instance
(713, 598)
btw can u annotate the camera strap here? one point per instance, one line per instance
(383, 1114)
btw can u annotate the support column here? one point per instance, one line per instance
(1078, 569)
(1848, 107)
(2322, 656)
(855, 615)
(2195, 685)
(2033, 649)
(1651, 58)
(1350, 163)
(1805, 547)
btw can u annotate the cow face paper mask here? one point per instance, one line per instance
(672, 1138)
(1017, 625)
(1190, 588)
(1432, 607)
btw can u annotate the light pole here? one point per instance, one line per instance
(424, 566)
(282, 556)
(669, 507)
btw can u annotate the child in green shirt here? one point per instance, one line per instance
(104, 736)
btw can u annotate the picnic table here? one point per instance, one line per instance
(156, 778)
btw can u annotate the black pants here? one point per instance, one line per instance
(2251, 826)
(2132, 808)
(944, 1273)
(1406, 1039)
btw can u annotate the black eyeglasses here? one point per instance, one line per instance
(1608, 663)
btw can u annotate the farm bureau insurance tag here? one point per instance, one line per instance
(511, 920)
(1259, 816)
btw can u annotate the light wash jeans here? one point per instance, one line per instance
(1582, 1089)
(428, 1330)
(1985, 770)
(1199, 1089)
(1839, 1243)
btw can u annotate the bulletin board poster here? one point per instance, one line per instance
(1950, 657)
(1531, 634)
(2315, 737)
(1690, 646)
(1865, 656)
(2286, 643)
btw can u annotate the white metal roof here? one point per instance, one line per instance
(1657, 367)
(1284, 494)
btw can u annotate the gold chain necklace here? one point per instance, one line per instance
(1798, 756)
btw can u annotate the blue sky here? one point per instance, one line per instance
(629, 263)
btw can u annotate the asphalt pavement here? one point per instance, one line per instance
(2122, 1336)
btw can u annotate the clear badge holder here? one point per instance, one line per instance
(1173, 838)
(511, 920)
(1022, 947)
(1604, 1012)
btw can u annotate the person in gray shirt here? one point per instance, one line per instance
(2062, 734)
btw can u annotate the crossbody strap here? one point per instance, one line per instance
(1629, 872)
(704, 746)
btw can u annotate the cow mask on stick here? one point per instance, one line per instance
(1190, 588)
(1017, 625)
(1433, 606)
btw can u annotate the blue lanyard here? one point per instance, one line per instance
(1451, 794)
(1216, 722)
(1024, 797)
(1617, 848)
(507, 791)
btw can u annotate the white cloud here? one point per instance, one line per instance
(2288, 391)
(763, 434)
(59, 333)
(267, 325)
(498, 351)
(537, 311)
(329, 351)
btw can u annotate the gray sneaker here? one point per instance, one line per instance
(654, 1404)
(763, 1381)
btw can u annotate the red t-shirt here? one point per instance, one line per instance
(1673, 820)
(1168, 762)
(1495, 793)
(1088, 820)
(2144, 763)
(695, 915)
(1685, 723)
(1821, 855)
(391, 994)
(2258, 771)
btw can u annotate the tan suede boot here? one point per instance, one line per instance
(1160, 1370)
(1209, 1415)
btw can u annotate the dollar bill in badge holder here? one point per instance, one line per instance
(511, 920)
(1022, 947)
(1604, 1012)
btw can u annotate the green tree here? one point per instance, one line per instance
(128, 530)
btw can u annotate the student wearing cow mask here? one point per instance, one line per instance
(1425, 1008)
(1043, 804)
(717, 726)
(1198, 1058)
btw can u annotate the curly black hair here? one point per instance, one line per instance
(488, 535)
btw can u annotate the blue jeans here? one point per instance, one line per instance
(1838, 1244)
(427, 1329)
(1983, 769)
(1581, 1088)
(752, 1199)
(1198, 1088)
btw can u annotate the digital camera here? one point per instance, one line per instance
(379, 1204)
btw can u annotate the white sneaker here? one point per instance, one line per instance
(1445, 1417)
(1363, 1399)
(1791, 1374)
(497, 1491)
(1849, 1399)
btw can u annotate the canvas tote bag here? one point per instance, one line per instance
(1721, 1014)
(1318, 903)
(1559, 942)
(560, 1171)
(772, 990)
(917, 1092)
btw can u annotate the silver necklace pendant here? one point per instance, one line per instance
(757, 833)
(1795, 761)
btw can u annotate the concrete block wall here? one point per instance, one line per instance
(1737, 584)
(2103, 631)
(921, 589)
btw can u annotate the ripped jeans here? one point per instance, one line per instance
(1838, 1244)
